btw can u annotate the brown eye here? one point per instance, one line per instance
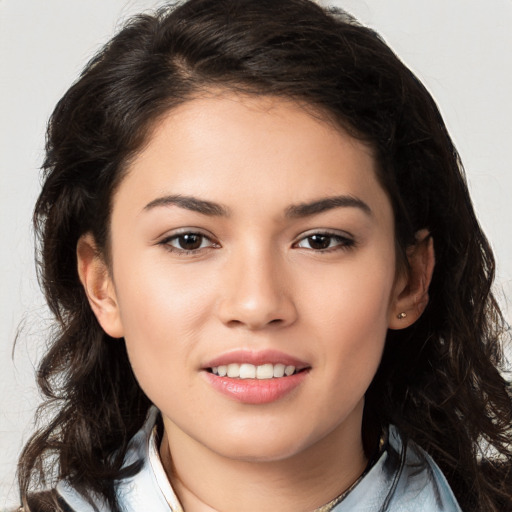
(324, 242)
(190, 241)
(319, 242)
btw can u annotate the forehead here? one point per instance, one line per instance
(253, 151)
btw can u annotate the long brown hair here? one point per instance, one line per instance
(439, 381)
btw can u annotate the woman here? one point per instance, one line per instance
(272, 290)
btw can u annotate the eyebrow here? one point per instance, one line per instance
(294, 211)
(325, 204)
(189, 203)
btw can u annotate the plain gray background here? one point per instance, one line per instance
(459, 48)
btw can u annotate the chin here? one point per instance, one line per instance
(261, 453)
(269, 446)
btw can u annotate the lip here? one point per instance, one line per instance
(256, 358)
(256, 391)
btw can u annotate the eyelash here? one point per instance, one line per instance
(343, 242)
(166, 242)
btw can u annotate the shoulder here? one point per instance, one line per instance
(420, 484)
(404, 478)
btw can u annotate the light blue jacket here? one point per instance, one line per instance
(404, 479)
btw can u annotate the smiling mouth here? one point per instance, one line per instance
(252, 379)
(249, 371)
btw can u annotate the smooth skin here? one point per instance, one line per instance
(224, 237)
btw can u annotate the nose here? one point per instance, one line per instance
(257, 292)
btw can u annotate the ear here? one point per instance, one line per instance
(98, 285)
(411, 289)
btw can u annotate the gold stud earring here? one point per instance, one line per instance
(401, 315)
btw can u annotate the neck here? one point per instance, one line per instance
(207, 481)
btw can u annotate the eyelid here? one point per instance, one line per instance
(174, 234)
(325, 231)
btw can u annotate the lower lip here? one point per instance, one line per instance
(256, 391)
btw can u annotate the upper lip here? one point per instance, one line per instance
(256, 358)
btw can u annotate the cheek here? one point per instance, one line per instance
(162, 313)
(161, 298)
(349, 321)
(354, 297)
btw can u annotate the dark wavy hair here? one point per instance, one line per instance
(439, 380)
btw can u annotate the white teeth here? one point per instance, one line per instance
(247, 371)
(233, 370)
(279, 370)
(250, 371)
(289, 370)
(265, 371)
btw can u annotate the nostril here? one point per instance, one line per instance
(234, 323)
(254, 325)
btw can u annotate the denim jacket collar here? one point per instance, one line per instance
(404, 478)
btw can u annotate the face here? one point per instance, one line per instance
(253, 276)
